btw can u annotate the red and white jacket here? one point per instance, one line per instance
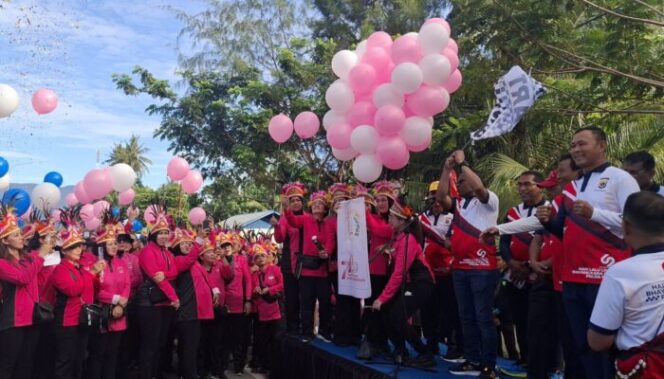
(413, 253)
(438, 257)
(270, 276)
(471, 216)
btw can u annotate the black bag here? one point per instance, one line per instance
(92, 316)
(41, 313)
(310, 262)
(155, 294)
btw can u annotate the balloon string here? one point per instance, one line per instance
(276, 174)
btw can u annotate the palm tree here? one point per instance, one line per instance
(130, 152)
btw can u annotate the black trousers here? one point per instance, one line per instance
(154, 323)
(44, 350)
(312, 289)
(130, 344)
(253, 327)
(571, 356)
(347, 324)
(71, 348)
(400, 308)
(104, 349)
(375, 324)
(519, 299)
(440, 316)
(235, 332)
(543, 357)
(189, 336)
(17, 347)
(266, 331)
(210, 346)
(292, 303)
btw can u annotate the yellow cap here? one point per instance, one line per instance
(433, 187)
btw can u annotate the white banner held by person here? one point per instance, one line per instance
(352, 249)
(515, 93)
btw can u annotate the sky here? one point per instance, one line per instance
(73, 47)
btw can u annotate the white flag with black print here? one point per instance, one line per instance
(515, 92)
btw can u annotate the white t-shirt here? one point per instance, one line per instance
(630, 302)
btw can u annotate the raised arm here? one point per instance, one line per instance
(443, 192)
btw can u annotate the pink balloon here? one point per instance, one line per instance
(126, 197)
(306, 125)
(97, 183)
(362, 113)
(100, 207)
(389, 120)
(197, 216)
(454, 82)
(428, 101)
(436, 20)
(406, 49)
(55, 214)
(422, 147)
(379, 39)
(81, 193)
(280, 128)
(71, 199)
(452, 45)
(379, 59)
(338, 136)
(393, 152)
(362, 78)
(345, 154)
(149, 215)
(177, 168)
(44, 101)
(192, 182)
(87, 212)
(452, 57)
(92, 224)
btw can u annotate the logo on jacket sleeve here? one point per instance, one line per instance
(607, 260)
(602, 183)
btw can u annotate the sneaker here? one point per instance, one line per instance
(465, 368)
(422, 361)
(453, 356)
(488, 373)
(306, 338)
(324, 338)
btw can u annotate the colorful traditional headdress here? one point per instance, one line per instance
(402, 211)
(384, 188)
(70, 234)
(8, 222)
(340, 190)
(160, 219)
(322, 196)
(181, 234)
(361, 191)
(294, 189)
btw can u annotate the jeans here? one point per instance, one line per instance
(475, 293)
(579, 300)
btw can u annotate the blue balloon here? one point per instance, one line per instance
(54, 178)
(136, 226)
(115, 211)
(4, 167)
(21, 223)
(18, 199)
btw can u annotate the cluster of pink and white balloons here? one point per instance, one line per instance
(96, 185)
(281, 127)
(191, 181)
(382, 105)
(44, 100)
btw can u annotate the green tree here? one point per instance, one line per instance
(130, 152)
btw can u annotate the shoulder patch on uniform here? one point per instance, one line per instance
(602, 183)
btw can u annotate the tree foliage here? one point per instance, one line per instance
(130, 152)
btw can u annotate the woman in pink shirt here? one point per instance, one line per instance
(409, 286)
(112, 293)
(268, 284)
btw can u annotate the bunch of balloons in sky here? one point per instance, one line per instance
(383, 103)
(44, 100)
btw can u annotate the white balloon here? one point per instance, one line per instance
(367, 168)
(122, 176)
(433, 38)
(45, 196)
(332, 118)
(4, 182)
(412, 34)
(342, 62)
(339, 97)
(344, 154)
(387, 94)
(364, 139)
(407, 77)
(416, 131)
(361, 48)
(435, 68)
(8, 100)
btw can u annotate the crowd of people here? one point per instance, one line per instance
(571, 282)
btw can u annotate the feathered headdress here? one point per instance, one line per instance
(8, 222)
(70, 234)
